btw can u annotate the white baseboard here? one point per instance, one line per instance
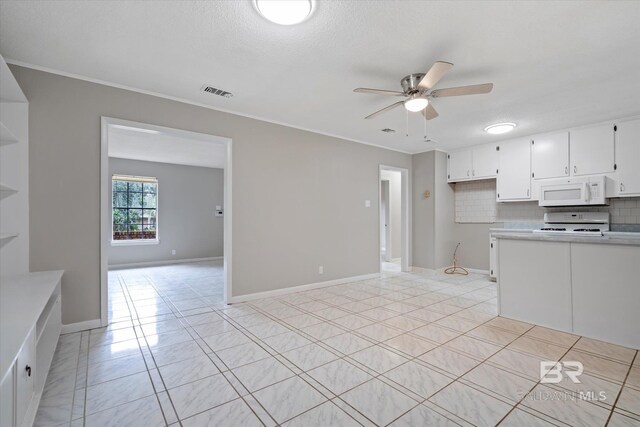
(470, 270)
(81, 326)
(300, 288)
(164, 262)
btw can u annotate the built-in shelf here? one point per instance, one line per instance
(6, 236)
(6, 191)
(6, 136)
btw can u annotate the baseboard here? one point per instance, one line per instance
(470, 270)
(164, 262)
(300, 288)
(81, 326)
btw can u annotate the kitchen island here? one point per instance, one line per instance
(587, 285)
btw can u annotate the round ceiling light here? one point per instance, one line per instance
(416, 103)
(499, 128)
(285, 12)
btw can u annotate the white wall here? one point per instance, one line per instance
(298, 196)
(395, 211)
(187, 197)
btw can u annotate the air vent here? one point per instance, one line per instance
(215, 91)
(388, 130)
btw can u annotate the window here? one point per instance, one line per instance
(134, 208)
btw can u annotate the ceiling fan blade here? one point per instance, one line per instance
(385, 109)
(435, 73)
(463, 90)
(378, 91)
(429, 112)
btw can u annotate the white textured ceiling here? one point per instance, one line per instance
(165, 147)
(554, 64)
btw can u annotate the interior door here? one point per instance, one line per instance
(385, 230)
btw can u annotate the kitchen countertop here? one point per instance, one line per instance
(609, 237)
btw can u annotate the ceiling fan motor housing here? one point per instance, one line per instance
(410, 83)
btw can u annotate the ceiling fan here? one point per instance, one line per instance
(418, 91)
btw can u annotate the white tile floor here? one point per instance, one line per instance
(404, 350)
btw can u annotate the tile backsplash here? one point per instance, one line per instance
(475, 202)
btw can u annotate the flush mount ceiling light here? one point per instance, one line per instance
(285, 12)
(499, 128)
(416, 103)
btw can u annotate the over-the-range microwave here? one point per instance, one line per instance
(583, 191)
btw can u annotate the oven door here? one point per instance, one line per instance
(572, 194)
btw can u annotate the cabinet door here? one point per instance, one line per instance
(628, 157)
(550, 156)
(514, 176)
(7, 399)
(485, 161)
(493, 253)
(592, 150)
(25, 376)
(459, 166)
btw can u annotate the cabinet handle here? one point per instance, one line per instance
(575, 169)
(621, 187)
(28, 369)
(473, 172)
(528, 193)
(467, 172)
(566, 170)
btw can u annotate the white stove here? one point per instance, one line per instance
(575, 223)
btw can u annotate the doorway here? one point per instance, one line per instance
(394, 219)
(165, 203)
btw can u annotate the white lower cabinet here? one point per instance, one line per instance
(30, 324)
(606, 292)
(534, 283)
(25, 375)
(590, 289)
(7, 399)
(493, 257)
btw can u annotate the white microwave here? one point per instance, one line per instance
(584, 191)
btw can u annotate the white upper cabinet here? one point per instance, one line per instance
(592, 150)
(514, 176)
(484, 161)
(476, 163)
(550, 156)
(628, 157)
(459, 164)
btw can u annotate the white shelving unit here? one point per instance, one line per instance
(30, 303)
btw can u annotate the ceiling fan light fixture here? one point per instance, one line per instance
(285, 12)
(500, 128)
(416, 103)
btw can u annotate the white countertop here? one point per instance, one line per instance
(22, 300)
(609, 237)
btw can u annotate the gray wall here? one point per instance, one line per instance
(187, 198)
(298, 197)
(445, 225)
(423, 210)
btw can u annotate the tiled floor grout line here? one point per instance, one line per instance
(613, 406)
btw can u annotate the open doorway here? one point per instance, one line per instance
(165, 221)
(394, 219)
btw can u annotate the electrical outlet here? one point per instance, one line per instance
(173, 251)
(321, 269)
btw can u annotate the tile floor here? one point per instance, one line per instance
(404, 350)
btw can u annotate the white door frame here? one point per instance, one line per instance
(105, 205)
(405, 214)
(385, 190)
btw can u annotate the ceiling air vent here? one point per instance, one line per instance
(215, 91)
(387, 130)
